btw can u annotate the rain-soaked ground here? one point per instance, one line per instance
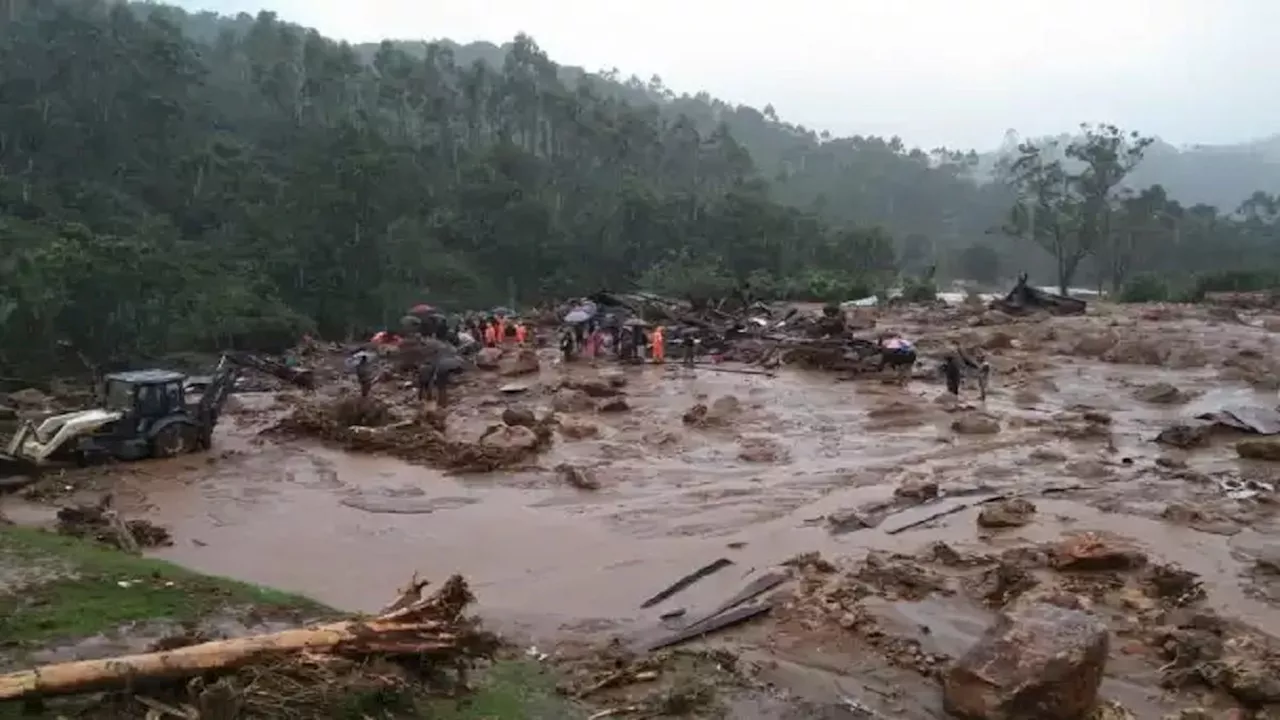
(761, 484)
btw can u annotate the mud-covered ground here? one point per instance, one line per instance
(835, 480)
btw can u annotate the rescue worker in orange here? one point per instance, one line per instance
(501, 323)
(490, 334)
(658, 345)
(522, 334)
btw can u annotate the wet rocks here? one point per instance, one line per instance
(1186, 435)
(578, 429)
(614, 405)
(1259, 449)
(571, 400)
(595, 387)
(1014, 512)
(524, 363)
(579, 477)
(521, 416)
(1089, 551)
(29, 398)
(900, 576)
(916, 489)
(1038, 660)
(512, 438)
(488, 358)
(975, 424)
(1161, 394)
(761, 449)
(721, 412)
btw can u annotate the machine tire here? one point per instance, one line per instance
(173, 440)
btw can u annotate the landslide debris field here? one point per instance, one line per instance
(864, 544)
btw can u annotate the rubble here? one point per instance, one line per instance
(975, 424)
(101, 523)
(1161, 394)
(1014, 512)
(1038, 660)
(421, 439)
(1090, 551)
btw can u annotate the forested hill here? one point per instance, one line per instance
(172, 182)
(798, 158)
(164, 191)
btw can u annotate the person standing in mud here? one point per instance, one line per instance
(898, 353)
(364, 372)
(958, 363)
(440, 361)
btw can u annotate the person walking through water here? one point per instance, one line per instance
(957, 364)
(898, 353)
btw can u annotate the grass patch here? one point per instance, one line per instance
(508, 690)
(77, 588)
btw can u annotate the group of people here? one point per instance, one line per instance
(898, 353)
(495, 330)
(628, 342)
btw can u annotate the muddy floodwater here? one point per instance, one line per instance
(785, 459)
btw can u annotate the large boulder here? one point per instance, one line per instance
(488, 358)
(511, 437)
(1038, 661)
(524, 363)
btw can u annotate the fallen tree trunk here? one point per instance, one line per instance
(432, 627)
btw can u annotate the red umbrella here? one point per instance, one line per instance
(421, 308)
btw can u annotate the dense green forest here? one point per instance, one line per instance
(172, 181)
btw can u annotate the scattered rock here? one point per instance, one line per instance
(1038, 660)
(579, 429)
(1259, 449)
(918, 489)
(1047, 455)
(571, 400)
(509, 437)
(525, 363)
(758, 449)
(1161, 394)
(595, 387)
(975, 424)
(522, 416)
(844, 521)
(579, 477)
(29, 398)
(1027, 398)
(1186, 435)
(488, 358)
(1089, 551)
(1014, 512)
(614, 405)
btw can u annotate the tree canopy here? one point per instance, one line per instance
(171, 181)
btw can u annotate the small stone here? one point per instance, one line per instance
(614, 405)
(579, 477)
(1038, 661)
(570, 400)
(1014, 512)
(488, 358)
(1088, 551)
(1160, 394)
(1259, 449)
(917, 489)
(578, 430)
(976, 424)
(519, 416)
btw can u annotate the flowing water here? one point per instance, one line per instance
(547, 558)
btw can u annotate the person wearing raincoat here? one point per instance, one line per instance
(440, 363)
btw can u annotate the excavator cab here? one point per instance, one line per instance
(145, 394)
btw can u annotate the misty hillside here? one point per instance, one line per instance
(1219, 175)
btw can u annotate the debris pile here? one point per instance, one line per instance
(102, 524)
(300, 673)
(421, 439)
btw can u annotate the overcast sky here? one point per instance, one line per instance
(935, 72)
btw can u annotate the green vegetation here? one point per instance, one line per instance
(176, 182)
(71, 589)
(59, 590)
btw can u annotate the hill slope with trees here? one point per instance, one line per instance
(171, 181)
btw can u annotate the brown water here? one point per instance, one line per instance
(545, 558)
(348, 529)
